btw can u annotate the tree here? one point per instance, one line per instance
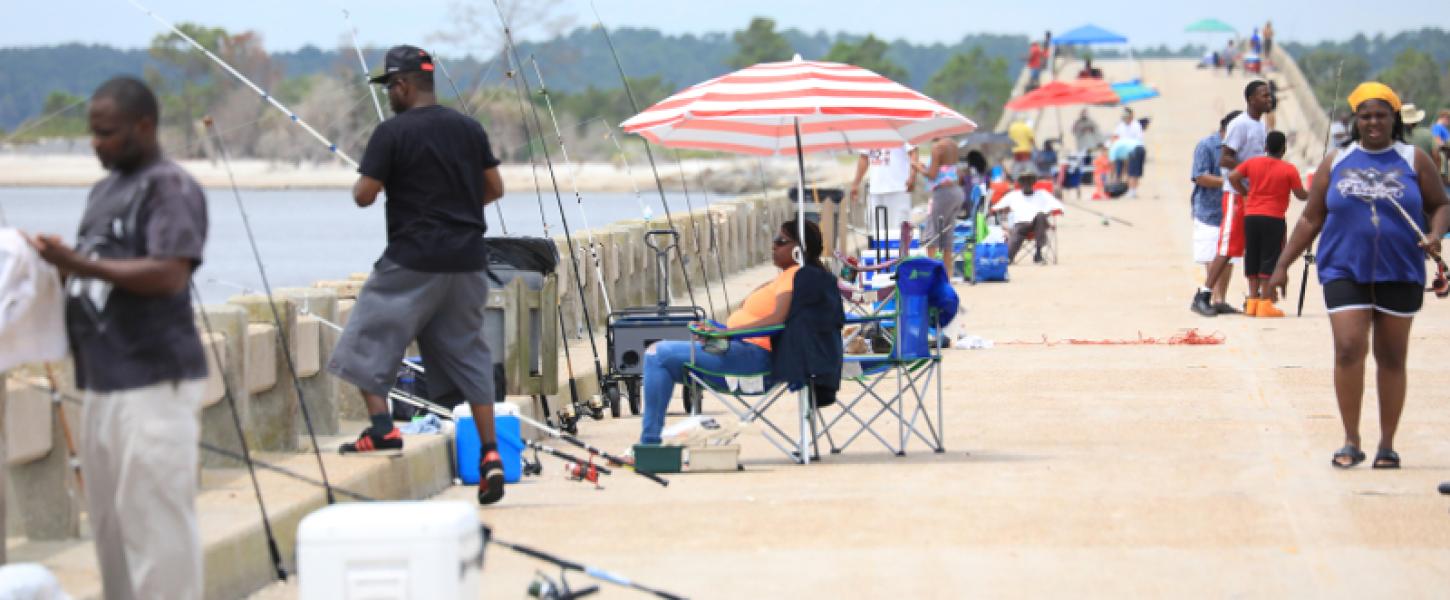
(973, 84)
(1322, 68)
(183, 100)
(1416, 78)
(759, 43)
(869, 53)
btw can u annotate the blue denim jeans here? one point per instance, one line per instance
(664, 366)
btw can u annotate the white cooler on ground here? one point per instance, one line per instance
(390, 550)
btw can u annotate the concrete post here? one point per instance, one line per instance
(318, 387)
(49, 506)
(217, 428)
(273, 416)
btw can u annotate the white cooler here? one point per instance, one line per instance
(390, 551)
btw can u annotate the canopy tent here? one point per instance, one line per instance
(1209, 26)
(1133, 90)
(1088, 34)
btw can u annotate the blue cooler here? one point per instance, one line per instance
(469, 450)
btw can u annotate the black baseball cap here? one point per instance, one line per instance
(401, 59)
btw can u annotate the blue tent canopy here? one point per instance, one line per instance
(1088, 34)
(1133, 90)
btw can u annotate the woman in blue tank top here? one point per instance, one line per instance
(1371, 259)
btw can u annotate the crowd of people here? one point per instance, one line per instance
(1253, 55)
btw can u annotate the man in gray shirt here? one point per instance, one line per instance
(138, 357)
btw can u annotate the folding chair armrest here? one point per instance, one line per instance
(885, 266)
(871, 318)
(735, 334)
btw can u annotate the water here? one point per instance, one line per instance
(308, 235)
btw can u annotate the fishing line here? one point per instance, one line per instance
(272, 305)
(695, 236)
(43, 119)
(574, 184)
(246, 456)
(623, 157)
(367, 77)
(331, 147)
(468, 110)
(1309, 250)
(715, 245)
(649, 154)
(517, 63)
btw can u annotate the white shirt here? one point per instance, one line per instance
(1132, 130)
(1245, 136)
(890, 169)
(1025, 207)
(32, 307)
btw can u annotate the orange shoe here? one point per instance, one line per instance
(1251, 307)
(1267, 309)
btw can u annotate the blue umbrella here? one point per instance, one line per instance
(1133, 90)
(1088, 34)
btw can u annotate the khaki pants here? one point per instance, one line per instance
(139, 454)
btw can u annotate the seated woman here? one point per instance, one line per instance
(664, 362)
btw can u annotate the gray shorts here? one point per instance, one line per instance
(941, 215)
(443, 311)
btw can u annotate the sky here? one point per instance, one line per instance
(291, 24)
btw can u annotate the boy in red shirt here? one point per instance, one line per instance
(1270, 181)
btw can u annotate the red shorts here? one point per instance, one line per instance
(1231, 231)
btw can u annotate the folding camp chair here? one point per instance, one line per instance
(922, 302)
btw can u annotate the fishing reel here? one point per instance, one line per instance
(596, 406)
(535, 467)
(583, 472)
(544, 588)
(569, 419)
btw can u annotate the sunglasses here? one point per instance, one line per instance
(782, 241)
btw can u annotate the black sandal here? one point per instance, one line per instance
(1355, 456)
(1386, 459)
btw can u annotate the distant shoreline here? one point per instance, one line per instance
(721, 175)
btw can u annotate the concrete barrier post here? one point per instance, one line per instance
(273, 414)
(317, 308)
(229, 323)
(40, 473)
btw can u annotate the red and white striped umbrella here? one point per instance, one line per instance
(756, 111)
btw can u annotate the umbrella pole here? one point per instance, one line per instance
(800, 157)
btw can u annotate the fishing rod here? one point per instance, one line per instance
(1104, 216)
(70, 442)
(568, 565)
(695, 238)
(367, 77)
(246, 456)
(578, 469)
(1440, 285)
(648, 153)
(282, 337)
(596, 405)
(629, 171)
(574, 184)
(468, 110)
(331, 147)
(715, 245)
(587, 447)
(1309, 249)
(569, 413)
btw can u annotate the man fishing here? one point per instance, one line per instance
(431, 282)
(138, 357)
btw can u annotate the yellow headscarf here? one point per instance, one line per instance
(1373, 90)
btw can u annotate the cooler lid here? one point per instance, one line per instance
(370, 521)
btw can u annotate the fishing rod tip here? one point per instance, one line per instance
(206, 120)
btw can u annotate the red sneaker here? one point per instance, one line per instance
(371, 442)
(490, 478)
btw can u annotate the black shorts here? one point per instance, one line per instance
(1136, 158)
(1398, 298)
(1263, 239)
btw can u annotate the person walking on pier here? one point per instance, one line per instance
(947, 196)
(1242, 140)
(1207, 208)
(138, 357)
(431, 283)
(1265, 204)
(1371, 259)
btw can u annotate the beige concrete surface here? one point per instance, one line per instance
(1072, 470)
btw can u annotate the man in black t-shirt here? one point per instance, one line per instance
(138, 357)
(430, 284)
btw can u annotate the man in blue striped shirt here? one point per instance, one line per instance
(1207, 200)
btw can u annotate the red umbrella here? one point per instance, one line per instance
(1065, 93)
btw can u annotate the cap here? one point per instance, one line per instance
(401, 59)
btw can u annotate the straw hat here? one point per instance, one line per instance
(1411, 114)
